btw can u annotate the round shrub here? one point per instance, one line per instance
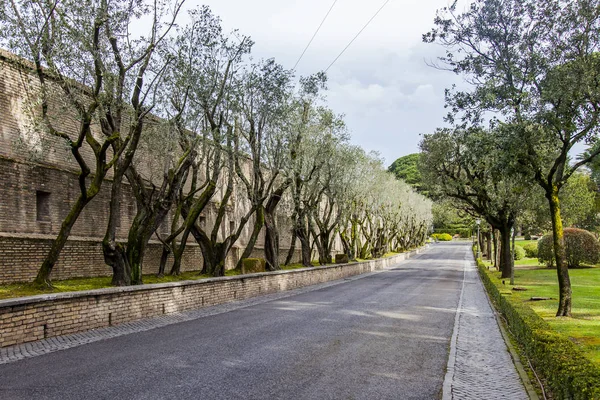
(581, 246)
(442, 237)
(546, 250)
(531, 250)
(519, 252)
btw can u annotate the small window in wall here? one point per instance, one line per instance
(231, 227)
(202, 222)
(42, 206)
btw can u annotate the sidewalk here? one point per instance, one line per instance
(480, 365)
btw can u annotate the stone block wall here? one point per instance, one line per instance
(37, 317)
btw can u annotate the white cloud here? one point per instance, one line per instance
(382, 82)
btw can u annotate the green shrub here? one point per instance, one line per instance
(581, 246)
(253, 265)
(519, 252)
(531, 250)
(546, 250)
(462, 232)
(565, 369)
(443, 237)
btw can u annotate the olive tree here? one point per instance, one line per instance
(263, 95)
(215, 62)
(91, 69)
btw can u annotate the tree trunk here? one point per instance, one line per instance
(489, 245)
(163, 260)
(505, 253)
(560, 254)
(191, 215)
(139, 233)
(214, 257)
(292, 250)
(303, 236)
(43, 277)
(347, 246)
(114, 253)
(259, 222)
(178, 252)
(322, 243)
(271, 239)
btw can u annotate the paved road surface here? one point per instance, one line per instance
(385, 335)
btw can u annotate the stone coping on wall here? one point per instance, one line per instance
(18, 301)
(32, 318)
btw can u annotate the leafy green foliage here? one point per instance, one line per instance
(447, 218)
(407, 169)
(519, 252)
(462, 232)
(578, 200)
(531, 250)
(442, 237)
(581, 246)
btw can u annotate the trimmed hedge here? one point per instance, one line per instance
(581, 246)
(443, 237)
(567, 372)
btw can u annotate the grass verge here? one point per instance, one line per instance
(78, 284)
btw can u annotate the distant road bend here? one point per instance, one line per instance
(384, 335)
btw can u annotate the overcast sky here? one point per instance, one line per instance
(381, 83)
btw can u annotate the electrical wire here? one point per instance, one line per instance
(315, 34)
(357, 35)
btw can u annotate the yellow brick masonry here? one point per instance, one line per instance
(37, 317)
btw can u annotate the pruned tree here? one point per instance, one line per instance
(313, 144)
(263, 97)
(213, 68)
(87, 64)
(135, 71)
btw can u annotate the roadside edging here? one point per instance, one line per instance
(33, 318)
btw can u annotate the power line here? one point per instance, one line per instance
(315, 34)
(357, 35)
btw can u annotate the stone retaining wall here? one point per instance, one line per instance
(37, 317)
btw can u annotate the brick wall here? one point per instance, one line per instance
(36, 165)
(37, 317)
(22, 255)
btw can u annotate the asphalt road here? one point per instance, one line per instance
(382, 336)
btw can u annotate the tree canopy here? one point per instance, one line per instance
(407, 169)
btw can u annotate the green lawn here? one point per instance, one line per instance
(74, 285)
(523, 242)
(583, 327)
